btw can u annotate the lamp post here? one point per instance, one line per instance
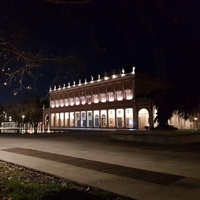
(23, 129)
(195, 120)
(43, 118)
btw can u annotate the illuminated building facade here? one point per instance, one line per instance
(118, 101)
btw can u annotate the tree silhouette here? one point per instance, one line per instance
(168, 101)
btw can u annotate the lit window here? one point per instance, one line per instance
(66, 102)
(129, 118)
(61, 103)
(52, 104)
(71, 101)
(89, 99)
(119, 95)
(129, 94)
(57, 103)
(77, 100)
(110, 96)
(83, 100)
(103, 97)
(96, 98)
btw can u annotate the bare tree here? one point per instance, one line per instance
(23, 68)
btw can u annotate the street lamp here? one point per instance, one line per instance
(43, 118)
(23, 129)
(195, 119)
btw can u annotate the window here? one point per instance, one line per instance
(96, 98)
(83, 100)
(129, 94)
(61, 103)
(71, 116)
(103, 97)
(52, 119)
(129, 117)
(61, 119)
(89, 118)
(57, 119)
(120, 118)
(83, 119)
(57, 103)
(110, 96)
(111, 118)
(66, 102)
(89, 100)
(77, 100)
(71, 101)
(119, 95)
(77, 119)
(52, 104)
(96, 118)
(66, 119)
(103, 118)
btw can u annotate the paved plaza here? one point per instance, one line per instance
(139, 171)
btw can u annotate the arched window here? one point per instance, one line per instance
(119, 95)
(61, 103)
(103, 118)
(95, 98)
(110, 96)
(89, 99)
(57, 103)
(103, 97)
(96, 118)
(71, 101)
(129, 94)
(66, 102)
(77, 100)
(83, 100)
(52, 104)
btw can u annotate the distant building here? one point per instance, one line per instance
(118, 101)
(8, 124)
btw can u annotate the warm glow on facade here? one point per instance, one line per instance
(110, 102)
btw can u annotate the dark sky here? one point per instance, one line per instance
(157, 36)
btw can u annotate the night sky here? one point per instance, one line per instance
(157, 36)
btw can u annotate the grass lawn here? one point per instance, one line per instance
(19, 183)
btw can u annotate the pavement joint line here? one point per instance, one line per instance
(129, 172)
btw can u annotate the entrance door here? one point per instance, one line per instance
(119, 122)
(143, 118)
(96, 120)
(103, 120)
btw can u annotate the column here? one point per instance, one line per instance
(107, 118)
(92, 118)
(124, 117)
(135, 117)
(150, 117)
(123, 90)
(116, 118)
(114, 91)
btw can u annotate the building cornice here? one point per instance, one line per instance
(92, 82)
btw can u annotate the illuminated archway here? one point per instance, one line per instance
(46, 120)
(143, 118)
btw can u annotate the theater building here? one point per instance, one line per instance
(118, 101)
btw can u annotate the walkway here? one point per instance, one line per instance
(139, 172)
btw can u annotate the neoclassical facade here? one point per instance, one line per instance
(116, 102)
